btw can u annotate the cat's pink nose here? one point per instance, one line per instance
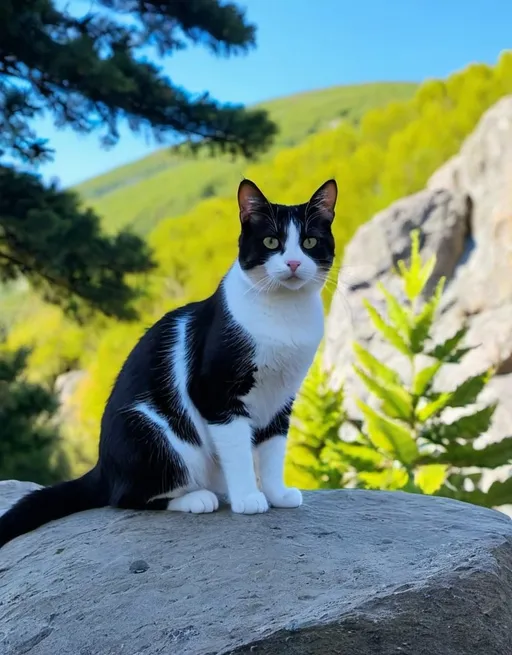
(293, 264)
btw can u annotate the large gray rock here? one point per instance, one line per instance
(369, 259)
(11, 490)
(465, 218)
(350, 572)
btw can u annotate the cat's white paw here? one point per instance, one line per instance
(254, 503)
(201, 501)
(285, 497)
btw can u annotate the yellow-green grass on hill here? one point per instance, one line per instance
(167, 184)
(390, 153)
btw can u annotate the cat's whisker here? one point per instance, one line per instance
(258, 285)
(339, 292)
(262, 286)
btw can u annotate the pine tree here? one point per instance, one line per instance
(89, 73)
(29, 442)
(47, 237)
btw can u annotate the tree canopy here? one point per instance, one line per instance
(29, 443)
(90, 72)
(93, 73)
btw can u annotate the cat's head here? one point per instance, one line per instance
(286, 246)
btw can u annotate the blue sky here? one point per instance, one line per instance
(309, 44)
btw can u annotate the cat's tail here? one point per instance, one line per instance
(51, 503)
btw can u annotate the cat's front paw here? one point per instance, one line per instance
(254, 503)
(285, 497)
(201, 501)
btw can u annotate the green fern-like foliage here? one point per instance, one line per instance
(316, 421)
(404, 441)
(422, 451)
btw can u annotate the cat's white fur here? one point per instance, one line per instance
(286, 323)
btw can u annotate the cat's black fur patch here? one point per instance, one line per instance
(219, 373)
(273, 220)
(279, 425)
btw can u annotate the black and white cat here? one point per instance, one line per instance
(206, 393)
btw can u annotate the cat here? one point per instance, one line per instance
(201, 406)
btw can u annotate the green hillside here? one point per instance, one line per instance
(387, 153)
(167, 184)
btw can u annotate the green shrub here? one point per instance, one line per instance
(404, 442)
(316, 420)
(30, 447)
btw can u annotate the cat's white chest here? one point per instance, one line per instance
(280, 372)
(285, 334)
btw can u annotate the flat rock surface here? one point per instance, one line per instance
(350, 572)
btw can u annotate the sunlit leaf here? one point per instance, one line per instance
(386, 330)
(427, 271)
(398, 314)
(389, 435)
(424, 378)
(396, 401)
(433, 408)
(374, 366)
(422, 323)
(430, 477)
(391, 479)
(360, 456)
(416, 275)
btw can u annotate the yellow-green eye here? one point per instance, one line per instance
(310, 242)
(271, 243)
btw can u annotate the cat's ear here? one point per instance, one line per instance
(324, 199)
(250, 200)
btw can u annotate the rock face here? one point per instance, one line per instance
(65, 386)
(349, 572)
(465, 218)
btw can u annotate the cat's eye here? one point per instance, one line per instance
(309, 242)
(271, 243)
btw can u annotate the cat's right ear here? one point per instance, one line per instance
(250, 200)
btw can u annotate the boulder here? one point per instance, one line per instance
(65, 386)
(12, 490)
(465, 217)
(349, 572)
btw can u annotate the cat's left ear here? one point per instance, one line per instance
(324, 199)
(250, 200)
